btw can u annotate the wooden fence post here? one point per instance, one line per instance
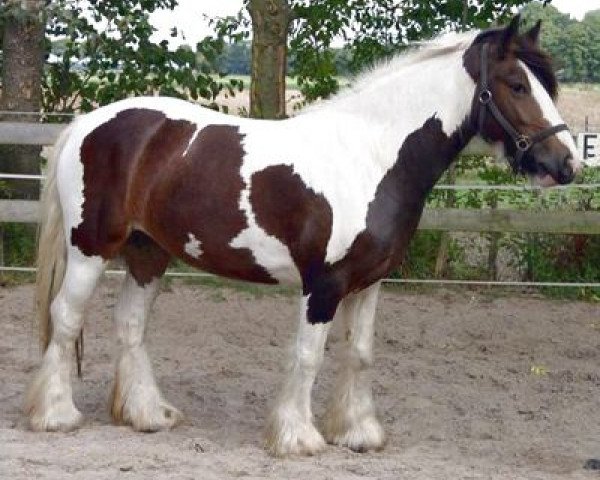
(441, 262)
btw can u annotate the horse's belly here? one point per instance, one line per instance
(250, 255)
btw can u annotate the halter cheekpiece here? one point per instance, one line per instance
(523, 143)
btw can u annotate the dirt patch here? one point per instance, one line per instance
(468, 386)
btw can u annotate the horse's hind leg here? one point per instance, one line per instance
(136, 398)
(350, 419)
(49, 401)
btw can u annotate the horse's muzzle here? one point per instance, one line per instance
(550, 170)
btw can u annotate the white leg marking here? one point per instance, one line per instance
(192, 247)
(290, 430)
(350, 419)
(136, 399)
(49, 400)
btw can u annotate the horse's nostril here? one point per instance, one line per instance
(566, 172)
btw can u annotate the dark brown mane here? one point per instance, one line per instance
(538, 61)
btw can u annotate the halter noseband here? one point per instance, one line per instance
(522, 142)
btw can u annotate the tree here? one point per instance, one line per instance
(270, 24)
(574, 46)
(370, 30)
(105, 53)
(591, 23)
(22, 67)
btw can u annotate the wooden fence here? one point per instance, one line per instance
(444, 219)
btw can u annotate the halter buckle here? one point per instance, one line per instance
(485, 97)
(523, 143)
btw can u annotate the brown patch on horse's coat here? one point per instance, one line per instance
(296, 215)
(202, 198)
(198, 193)
(111, 154)
(144, 258)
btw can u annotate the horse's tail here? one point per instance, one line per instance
(52, 247)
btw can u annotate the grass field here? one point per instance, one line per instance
(576, 101)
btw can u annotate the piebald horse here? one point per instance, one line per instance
(328, 200)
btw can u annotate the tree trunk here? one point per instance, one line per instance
(270, 26)
(22, 67)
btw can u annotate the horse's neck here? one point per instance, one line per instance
(398, 103)
(421, 116)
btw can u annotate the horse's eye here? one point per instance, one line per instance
(518, 88)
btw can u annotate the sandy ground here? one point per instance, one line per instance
(468, 385)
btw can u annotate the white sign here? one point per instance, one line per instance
(588, 144)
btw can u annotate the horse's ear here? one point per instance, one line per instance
(509, 33)
(533, 34)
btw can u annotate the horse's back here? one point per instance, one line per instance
(163, 167)
(255, 200)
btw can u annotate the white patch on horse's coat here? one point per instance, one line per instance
(268, 251)
(334, 169)
(193, 247)
(552, 115)
(191, 141)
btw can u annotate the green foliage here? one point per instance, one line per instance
(534, 257)
(574, 45)
(104, 53)
(370, 30)
(19, 244)
(235, 59)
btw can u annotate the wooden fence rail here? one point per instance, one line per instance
(467, 220)
(16, 133)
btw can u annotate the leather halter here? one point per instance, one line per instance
(523, 143)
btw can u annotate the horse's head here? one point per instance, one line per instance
(514, 104)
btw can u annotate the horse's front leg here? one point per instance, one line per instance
(290, 429)
(350, 418)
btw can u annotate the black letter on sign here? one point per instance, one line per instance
(588, 146)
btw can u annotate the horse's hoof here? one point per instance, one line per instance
(362, 436)
(49, 404)
(149, 417)
(285, 438)
(60, 418)
(164, 418)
